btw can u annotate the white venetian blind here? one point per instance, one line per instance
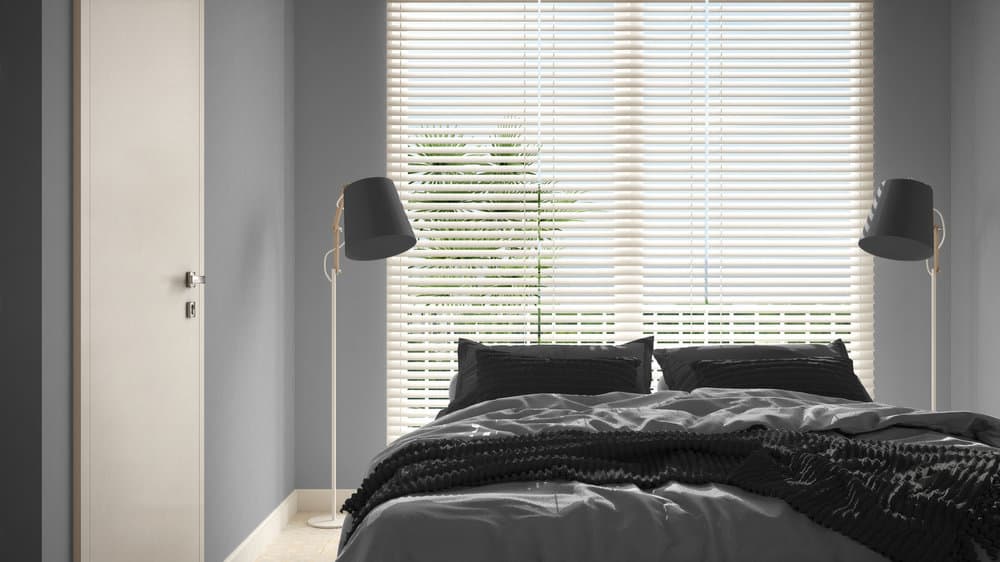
(590, 172)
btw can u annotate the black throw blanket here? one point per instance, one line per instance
(906, 502)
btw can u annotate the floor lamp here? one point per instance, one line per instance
(375, 227)
(901, 226)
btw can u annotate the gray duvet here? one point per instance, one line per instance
(572, 521)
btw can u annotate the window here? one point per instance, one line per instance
(589, 172)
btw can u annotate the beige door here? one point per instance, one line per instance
(139, 228)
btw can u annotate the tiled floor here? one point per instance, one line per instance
(301, 543)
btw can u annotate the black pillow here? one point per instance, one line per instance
(826, 376)
(641, 349)
(676, 362)
(500, 374)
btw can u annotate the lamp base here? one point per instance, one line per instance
(325, 521)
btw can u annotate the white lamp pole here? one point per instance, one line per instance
(333, 520)
(934, 275)
(933, 269)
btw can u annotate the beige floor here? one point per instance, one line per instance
(301, 543)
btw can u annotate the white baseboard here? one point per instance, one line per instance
(319, 500)
(298, 501)
(254, 545)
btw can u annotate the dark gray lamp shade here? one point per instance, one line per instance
(901, 223)
(375, 224)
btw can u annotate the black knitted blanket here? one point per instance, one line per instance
(906, 502)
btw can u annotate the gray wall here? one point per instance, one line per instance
(57, 280)
(975, 223)
(912, 139)
(340, 112)
(249, 206)
(339, 137)
(20, 284)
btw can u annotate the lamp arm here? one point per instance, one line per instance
(940, 233)
(337, 215)
(337, 244)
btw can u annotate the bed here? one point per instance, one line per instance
(926, 486)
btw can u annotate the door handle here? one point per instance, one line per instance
(192, 280)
